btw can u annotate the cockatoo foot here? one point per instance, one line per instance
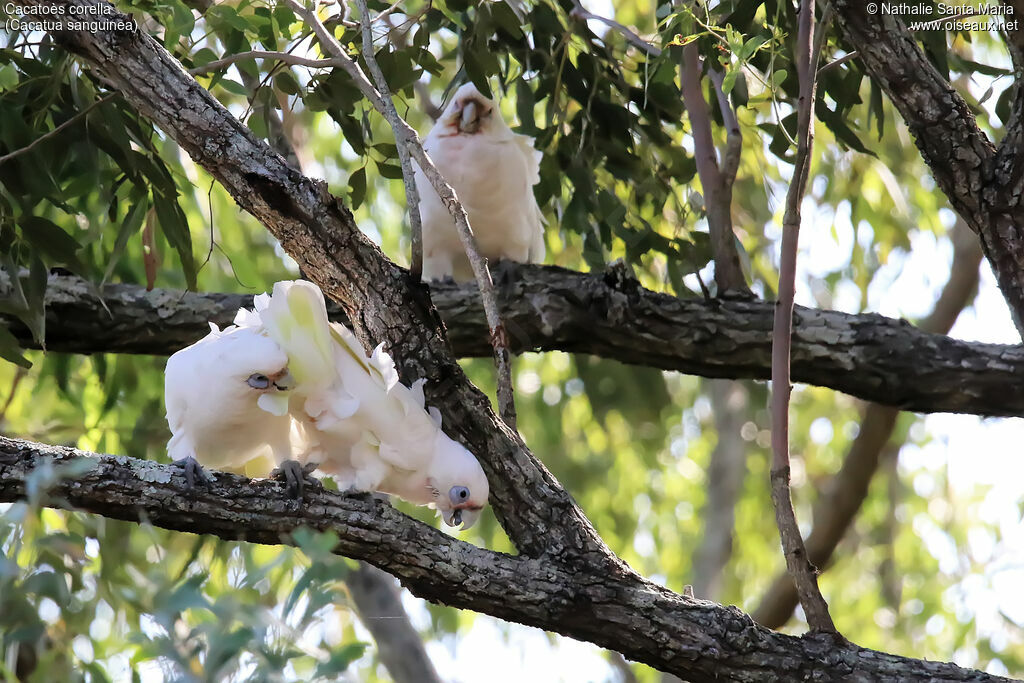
(296, 477)
(193, 471)
(504, 272)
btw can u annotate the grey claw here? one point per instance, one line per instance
(193, 472)
(296, 477)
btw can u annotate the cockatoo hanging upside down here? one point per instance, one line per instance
(286, 386)
(493, 171)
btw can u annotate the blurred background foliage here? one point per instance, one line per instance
(111, 199)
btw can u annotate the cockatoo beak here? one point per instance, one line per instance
(285, 381)
(470, 119)
(464, 516)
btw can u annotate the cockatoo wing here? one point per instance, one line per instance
(295, 317)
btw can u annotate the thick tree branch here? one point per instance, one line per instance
(551, 309)
(382, 302)
(374, 597)
(985, 187)
(699, 640)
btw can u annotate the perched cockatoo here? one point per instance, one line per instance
(493, 171)
(226, 398)
(361, 425)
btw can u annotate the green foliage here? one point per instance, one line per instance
(109, 197)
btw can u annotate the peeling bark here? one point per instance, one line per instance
(696, 639)
(547, 308)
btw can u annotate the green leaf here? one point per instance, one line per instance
(730, 79)
(287, 83)
(175, 229)
(50, 240)
(390, 171)
(357, 185)
(10, 350)
(340, 660)
(234, 87)
(131, 225)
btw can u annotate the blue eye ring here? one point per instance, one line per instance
(458, 495)
(258, 381)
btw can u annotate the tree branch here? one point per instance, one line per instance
(412, 195)
(699, 640)
(377, 602)
(717, 190)
(843, 495)
(803, 574)
(985, 187)
(374, 598)
(405, 135)
(730, 407)
(382, 302)
(552, 309)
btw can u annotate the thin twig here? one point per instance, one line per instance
(384, 14)
(838, 62)
(802, 572)
(15, 383)
(406, 135)
(70, 122)
(580, 12)
(734, 137)
(412, 195)
(286, 57)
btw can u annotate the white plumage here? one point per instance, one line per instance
(493, 171)
(359, 422)
(218, 392)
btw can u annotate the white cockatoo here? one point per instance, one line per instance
(226, 399)
(493, 171)
(360, 424)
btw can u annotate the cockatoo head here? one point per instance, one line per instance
(259, 367)
(470, 113)
(457, 483)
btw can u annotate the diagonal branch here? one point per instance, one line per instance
(374, 598)
(985, 187)
(698, 640)
(407, 137)
(382, 302)
(552, 309)
(412, 195)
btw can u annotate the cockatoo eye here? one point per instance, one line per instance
(458, 495)
(258, 381)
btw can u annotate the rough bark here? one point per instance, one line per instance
(374, 598)
(546, 308)
(565, 580)
(984, 184)
(696, 639)
(381, 300)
